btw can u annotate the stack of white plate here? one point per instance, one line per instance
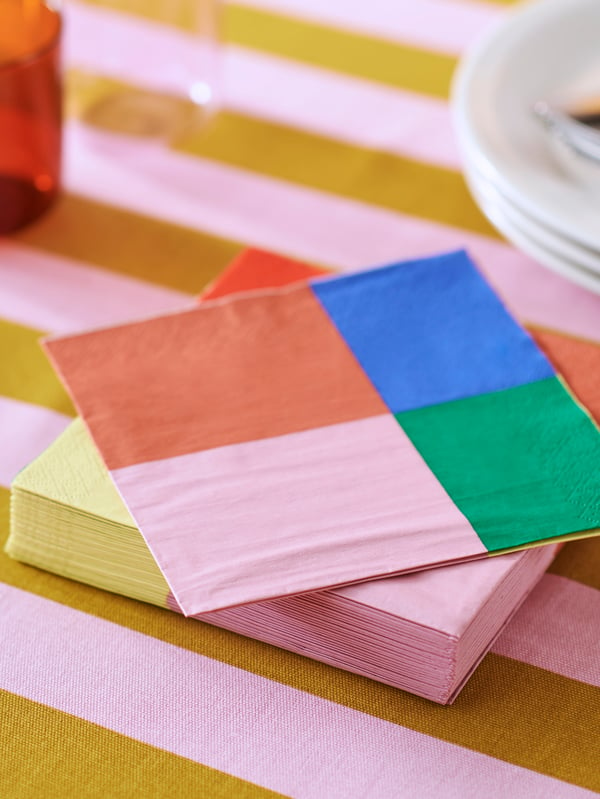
(549, 50)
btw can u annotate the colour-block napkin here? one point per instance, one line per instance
(290, 440)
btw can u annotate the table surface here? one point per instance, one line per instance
(334, 145)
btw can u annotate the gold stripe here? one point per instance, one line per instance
(359, 55)
(177, 14)
(130, 244)
(46, 752)
(370, 176)
(359, 173)
(26, 373)
(508, 710)
(392, 63)
(580, 561)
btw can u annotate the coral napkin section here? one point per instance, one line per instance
(352, 427)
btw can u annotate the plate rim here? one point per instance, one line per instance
(473, 142)
(566, 268)
(546, 237)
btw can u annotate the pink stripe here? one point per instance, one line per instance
(25, 432)
(323, 102)
(59, 295)
(232, 720)
(447, 26)
(116, 44)
(349, 530)
(557, 629)
(346, 109)
(309, 224)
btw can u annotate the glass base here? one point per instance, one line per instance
(144, 115)
(21, 202)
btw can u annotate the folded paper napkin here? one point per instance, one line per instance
(290, 440)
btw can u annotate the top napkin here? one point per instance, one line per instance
(353, 427)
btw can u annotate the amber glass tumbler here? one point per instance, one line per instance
(30, 110)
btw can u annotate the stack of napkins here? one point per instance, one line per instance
(292, 440)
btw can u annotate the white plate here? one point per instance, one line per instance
(543, 50)
(509, 223)
(547, 237)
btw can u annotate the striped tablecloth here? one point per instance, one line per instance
(335, 146)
